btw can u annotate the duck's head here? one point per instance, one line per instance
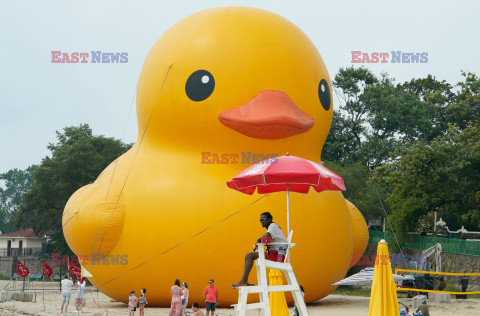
(235, 79)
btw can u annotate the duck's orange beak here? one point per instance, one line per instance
(269, 115)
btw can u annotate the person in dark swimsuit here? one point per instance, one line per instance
(142, 301)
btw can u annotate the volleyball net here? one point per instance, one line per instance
(435, 273)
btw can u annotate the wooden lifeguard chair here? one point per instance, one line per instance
(263, 289)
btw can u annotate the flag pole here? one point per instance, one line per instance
(43, 285)
(61, 277)
(23, 289)
(15, 287)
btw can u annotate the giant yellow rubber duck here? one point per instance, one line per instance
(217, 91)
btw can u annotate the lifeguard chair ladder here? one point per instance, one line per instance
(263, 289)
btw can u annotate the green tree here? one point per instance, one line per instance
(418, 136)
(377, 116)
(16, 183)
(438, 95)
(466, 107)
(340, 141)
(77, 158)
(348, 125)
(397, 113)
(442, 176)
(363, 195)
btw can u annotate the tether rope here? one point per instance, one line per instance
(115, 166)
(182, 242)
(133, 162)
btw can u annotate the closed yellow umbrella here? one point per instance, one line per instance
(278, 303)
(383, 298)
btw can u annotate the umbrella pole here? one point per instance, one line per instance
(288, 210)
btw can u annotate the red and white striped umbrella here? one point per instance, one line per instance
(274, 175)
(286, 173)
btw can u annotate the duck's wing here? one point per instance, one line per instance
(94, 215)
(360, 232)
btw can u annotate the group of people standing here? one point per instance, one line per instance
(180, 294)
(134, 302)
(180, 299)
(67, 284)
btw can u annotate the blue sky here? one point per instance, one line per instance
(38, 97)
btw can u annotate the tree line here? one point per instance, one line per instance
(405, 149)
(409, 149)
(76, 159)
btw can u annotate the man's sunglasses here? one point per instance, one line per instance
(263, 220)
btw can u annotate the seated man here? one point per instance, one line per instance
(273, 231)
(423, 308)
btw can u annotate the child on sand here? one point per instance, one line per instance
(132, 303)
(196, 311)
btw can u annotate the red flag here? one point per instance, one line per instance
(47, 270)
(22, 269)
(74, 270)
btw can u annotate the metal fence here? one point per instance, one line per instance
(449, 245)
(16, 252)
(375, 236)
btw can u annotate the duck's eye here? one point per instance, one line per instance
(200, 85)
(324, 94)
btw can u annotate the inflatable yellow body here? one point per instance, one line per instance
(163, 207)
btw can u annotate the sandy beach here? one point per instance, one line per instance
(97, 304)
